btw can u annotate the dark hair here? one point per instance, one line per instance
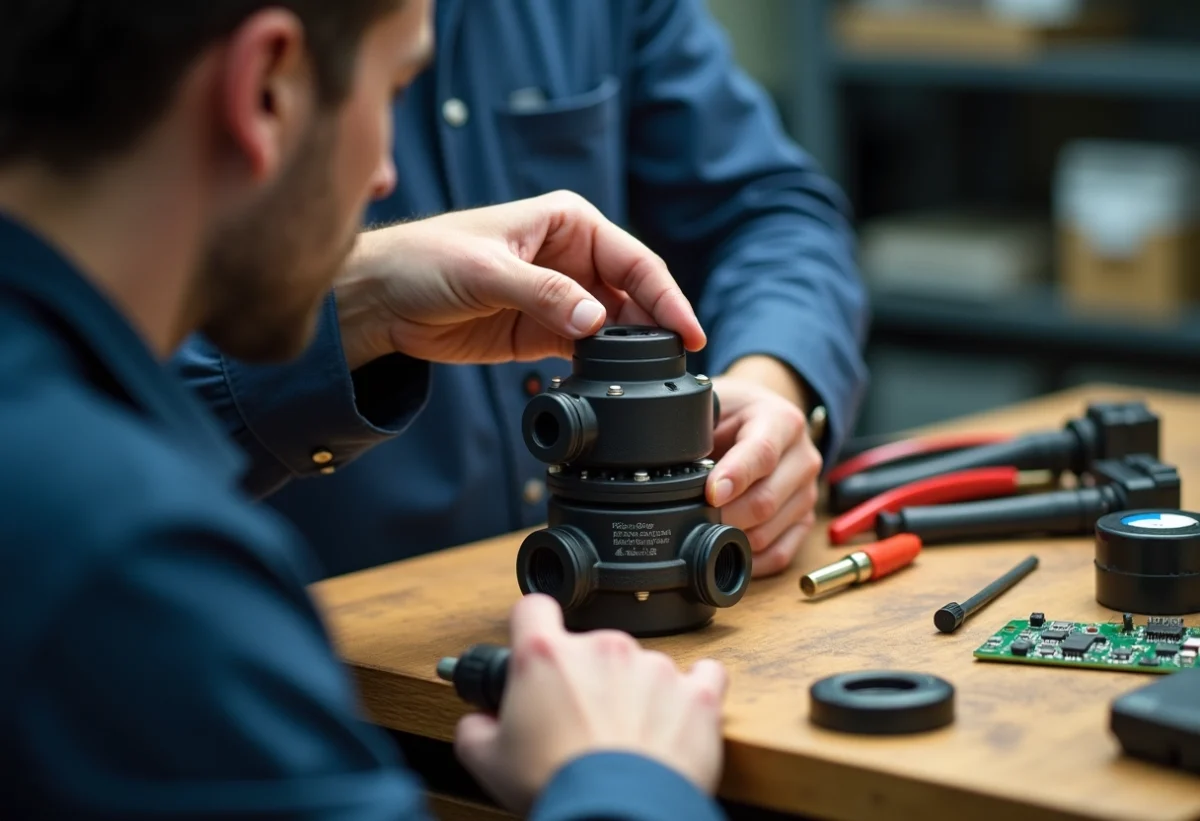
(82, 79)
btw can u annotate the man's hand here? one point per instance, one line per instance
(766, 474)
(513, 282)
(568, 695)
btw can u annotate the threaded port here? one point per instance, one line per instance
(546, 430)
(546, 572)
(730, 568)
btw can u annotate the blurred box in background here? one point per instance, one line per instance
(978, 254)
(1128, 228)
(974, 28)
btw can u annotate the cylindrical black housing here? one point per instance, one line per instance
(631, 543)
(1148, 561)
(1063, 512)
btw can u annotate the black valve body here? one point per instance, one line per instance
(631, 543)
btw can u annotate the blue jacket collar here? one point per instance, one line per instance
(31, 268)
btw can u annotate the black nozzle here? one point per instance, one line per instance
(720, 558)
(478, 675)
(560, 562)
(558, 428)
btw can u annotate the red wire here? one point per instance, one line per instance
(977, 483)
(912, 447)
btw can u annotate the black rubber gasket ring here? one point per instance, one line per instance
(882, 702)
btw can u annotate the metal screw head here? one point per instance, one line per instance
(556, 382)
(554, 469)
(705, 464)
(702, 379)
(641, 595)
(615, 390)
(641, 476)
(583, 474)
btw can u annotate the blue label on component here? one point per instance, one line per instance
(1159, 521)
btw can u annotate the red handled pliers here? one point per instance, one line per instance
(961, 486)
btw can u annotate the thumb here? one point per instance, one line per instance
(475, 741)
(551, 298)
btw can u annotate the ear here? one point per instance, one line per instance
(268, 91)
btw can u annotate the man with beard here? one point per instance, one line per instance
(638, 106)
(204, 165)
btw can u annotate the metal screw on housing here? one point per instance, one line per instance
(642, 595)
(702, 379)
(615, 390)
(641, 476)
(556, 382)
(705, 464)
(554, 469)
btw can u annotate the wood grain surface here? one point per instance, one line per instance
(1027, 743)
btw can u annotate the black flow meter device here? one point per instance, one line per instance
(631, 543)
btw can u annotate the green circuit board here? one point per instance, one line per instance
(1156, 645)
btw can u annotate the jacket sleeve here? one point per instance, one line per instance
(309, 416)
(759, 238)
(611, 786)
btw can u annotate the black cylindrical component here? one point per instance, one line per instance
(1054, 450)
(1063, 512)
(950, 617)
(558, 428)
(1148, 561)
(631, 543)
(719, 558)
(560, 562)
(478, 675)
(629, 403)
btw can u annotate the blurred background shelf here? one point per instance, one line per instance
(1038, 325)
(917, 123)
(1147, 70)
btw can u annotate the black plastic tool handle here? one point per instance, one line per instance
(1055, 450)
(1063, 512)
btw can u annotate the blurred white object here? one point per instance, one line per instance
(1128, 219)
(1037, 12)
(1118, 194)
(956, 254)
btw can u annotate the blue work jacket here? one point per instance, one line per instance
(162, 659)
(638, 106)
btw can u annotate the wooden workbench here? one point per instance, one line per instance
(1028, 743)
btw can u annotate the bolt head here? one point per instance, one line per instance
(556, 382)
(554, 469)
(615, 390)
(641, 476)
(702, 379)
(642, 595)
(705, 464)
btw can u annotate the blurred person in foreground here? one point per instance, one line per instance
(638, 106)
(205, 168)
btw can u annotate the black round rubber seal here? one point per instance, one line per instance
(882, 702)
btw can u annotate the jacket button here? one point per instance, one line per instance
(535, 491)
(455, 113)
(322, 457)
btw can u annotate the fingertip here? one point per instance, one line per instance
(587, 318)
(712, 675)
(535, 613)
